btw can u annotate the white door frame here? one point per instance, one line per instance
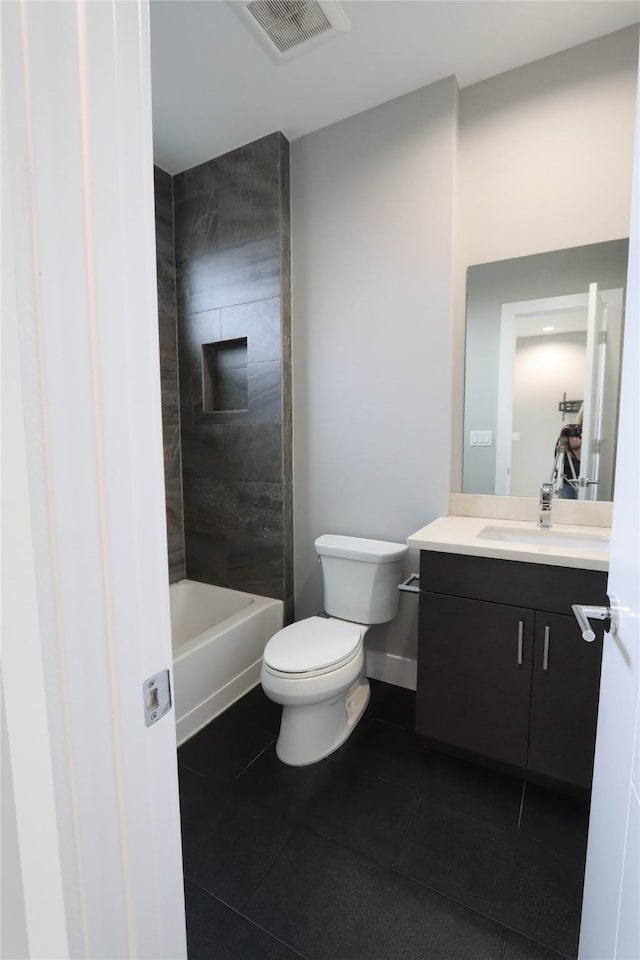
(93, 790)
(610, 919)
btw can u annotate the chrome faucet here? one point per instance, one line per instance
(546, 496)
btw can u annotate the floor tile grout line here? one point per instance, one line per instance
(243, 916)
(277, 858)
(256, 758)
(524, 787)
(479, 913)
(564, 851)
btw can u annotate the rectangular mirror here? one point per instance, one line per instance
(542, 372)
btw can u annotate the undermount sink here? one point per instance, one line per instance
(547, 536)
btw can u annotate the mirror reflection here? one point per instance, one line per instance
(543, 352)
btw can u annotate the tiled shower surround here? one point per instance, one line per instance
(166, 270)
(232, 255)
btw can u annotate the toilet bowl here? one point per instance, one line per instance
(315, 668)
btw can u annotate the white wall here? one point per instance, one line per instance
(372, 217)
(544, 163)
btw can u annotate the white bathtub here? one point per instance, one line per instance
(218, 639)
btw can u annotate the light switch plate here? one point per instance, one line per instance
(481, 438)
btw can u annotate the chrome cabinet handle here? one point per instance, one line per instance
(520, 636)
(583, 614)
(545, 652)
(406, 585)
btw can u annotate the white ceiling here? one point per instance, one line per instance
(215, 87)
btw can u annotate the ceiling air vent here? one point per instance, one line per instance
(288, 26)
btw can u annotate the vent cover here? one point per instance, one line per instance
(286, 26)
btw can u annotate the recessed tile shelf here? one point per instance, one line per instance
(224, 376)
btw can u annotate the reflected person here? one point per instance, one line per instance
(567, 461)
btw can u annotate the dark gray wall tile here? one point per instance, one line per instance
(234, 508)
(249, 271)
(253, 453)
(168, 343)
(249, 209)
(171, 443)
(288, 539)
(177, 568)
(170, 402)
(233, 452)
(197, 225)
(173, 490)
(289, 611)
(206, 557)
(203, 452)
(243, 162)
(229, 354)
(265, 392)
(256, 565)
(232, 237)
(264, 398)
(225, 389)
(259, 322)
(285, 247)
(165, 250)
(167, 337)
(237, 164)
(162, 187)
(193, 331)
(287, 424)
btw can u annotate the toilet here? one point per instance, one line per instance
(315, 668)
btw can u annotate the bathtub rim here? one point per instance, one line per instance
(270, 612)
(256, 605)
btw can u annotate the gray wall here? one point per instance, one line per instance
(233, 283)
(372, 225)
(166, 271)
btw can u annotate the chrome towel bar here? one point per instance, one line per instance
(406, 585)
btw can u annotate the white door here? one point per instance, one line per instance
(610, 914)
(92, 791)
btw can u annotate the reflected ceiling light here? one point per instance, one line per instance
(547, 329)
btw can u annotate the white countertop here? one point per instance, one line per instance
(463, 535)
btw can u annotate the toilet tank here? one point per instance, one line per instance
(361, 577)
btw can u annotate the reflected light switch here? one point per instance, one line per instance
(481, 438)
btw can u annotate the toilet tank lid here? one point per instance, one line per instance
(355, 548)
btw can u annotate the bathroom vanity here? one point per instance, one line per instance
(504, 673)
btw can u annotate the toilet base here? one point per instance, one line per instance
(313, 731)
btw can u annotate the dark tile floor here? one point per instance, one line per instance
(384, 851)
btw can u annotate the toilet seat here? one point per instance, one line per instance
(312, 647)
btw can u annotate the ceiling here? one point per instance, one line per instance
(215, 87)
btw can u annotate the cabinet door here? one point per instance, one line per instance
(474, 675)
(564, 700)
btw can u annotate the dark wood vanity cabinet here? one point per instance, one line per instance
(564, 700)
(503, 671)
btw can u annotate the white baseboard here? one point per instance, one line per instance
(400, 671)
